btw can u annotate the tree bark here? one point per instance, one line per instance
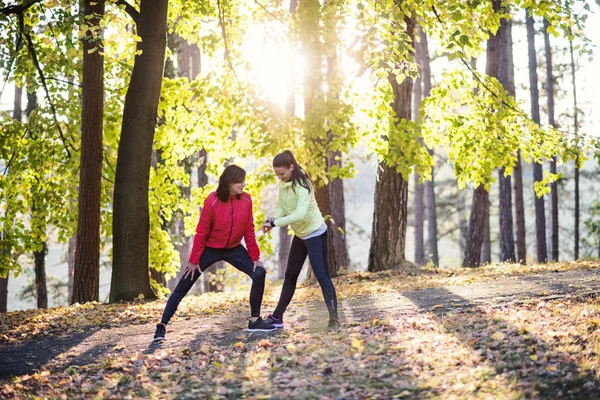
(538, 173)
(576, 130)
(480, 196)
(419, 188)
(552, 123)
(131, 225)
(520, 210)
(476, 228)
(17, 115)
(388, 237)
(71, 248)
(430, 201)
(506, 78)
(86, 275)
(486, 245)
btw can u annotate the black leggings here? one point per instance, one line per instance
(316, 250)
(239, 258)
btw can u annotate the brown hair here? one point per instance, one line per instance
(231, 174)
(299, 176)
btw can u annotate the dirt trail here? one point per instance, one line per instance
(226, 329)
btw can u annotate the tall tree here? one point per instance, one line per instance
(480, 207)
(18, 116)
(552, 123)
(38, 220)
(388, 236)
(486, 245)
(577, 160)
(86, 278)
(430, 201)
(538, 174)
(285, 240)
(130, 275)
(418, 201)
(506, 78)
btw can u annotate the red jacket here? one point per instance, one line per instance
(223, 225)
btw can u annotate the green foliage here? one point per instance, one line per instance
(481, 128)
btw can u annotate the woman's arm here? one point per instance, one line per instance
(202, 231)
(304, 197)
(250, 237)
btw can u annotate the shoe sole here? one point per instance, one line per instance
(260, 330)
(159, 339)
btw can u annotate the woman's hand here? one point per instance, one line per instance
(258, 263)
(190, 269)
(266, 227)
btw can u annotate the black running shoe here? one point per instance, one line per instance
(260, 326)
(334, 324)
(161, 331)
(273, 320)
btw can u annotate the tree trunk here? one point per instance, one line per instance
(506, 78)
(476, 228)
(520, 210)
(285, 239)
(418, 201)
(39, 258)
(86, 278)
(480, 196)
(388, 238)
(576, 131)
(538, 174)
(486, 245)
(551, 122)
(17, 115)
(429, 192)
(71, 248)
(131, 225)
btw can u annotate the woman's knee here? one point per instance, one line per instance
(259, 274)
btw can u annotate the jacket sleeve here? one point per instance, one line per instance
(301, 210)
(202, 231)
(280, 210)
(250, 237)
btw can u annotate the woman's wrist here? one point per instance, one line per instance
(272, 222)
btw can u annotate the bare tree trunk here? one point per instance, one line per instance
(520, 211)
(538, 174)
(576, 130)
(418, 201)
(131, 224)
(71, 248)
(552, 123)
(506, 78)
(486, 245)
(430, 202)
(388, 237)
(476, 228)
(17, 115)
(285, 240)
(480, 196)
(86, 278)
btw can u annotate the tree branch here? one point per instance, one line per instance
(129, 9)
(18, 9)
(44, 84)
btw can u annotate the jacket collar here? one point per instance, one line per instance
(286, 184)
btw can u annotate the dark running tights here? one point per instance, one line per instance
(239, 258)
(316, 250)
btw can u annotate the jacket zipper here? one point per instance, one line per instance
(231, 228)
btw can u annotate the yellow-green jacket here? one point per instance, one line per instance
(298, 208)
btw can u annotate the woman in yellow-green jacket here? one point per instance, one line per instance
(297, 207)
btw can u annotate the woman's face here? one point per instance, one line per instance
(236, 189)
(284, 173)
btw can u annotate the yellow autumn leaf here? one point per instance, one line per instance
(357, 343)
(533, 357)
(498, 336)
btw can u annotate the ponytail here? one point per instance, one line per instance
(299, 176)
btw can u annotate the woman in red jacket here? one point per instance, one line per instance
(225, 219)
